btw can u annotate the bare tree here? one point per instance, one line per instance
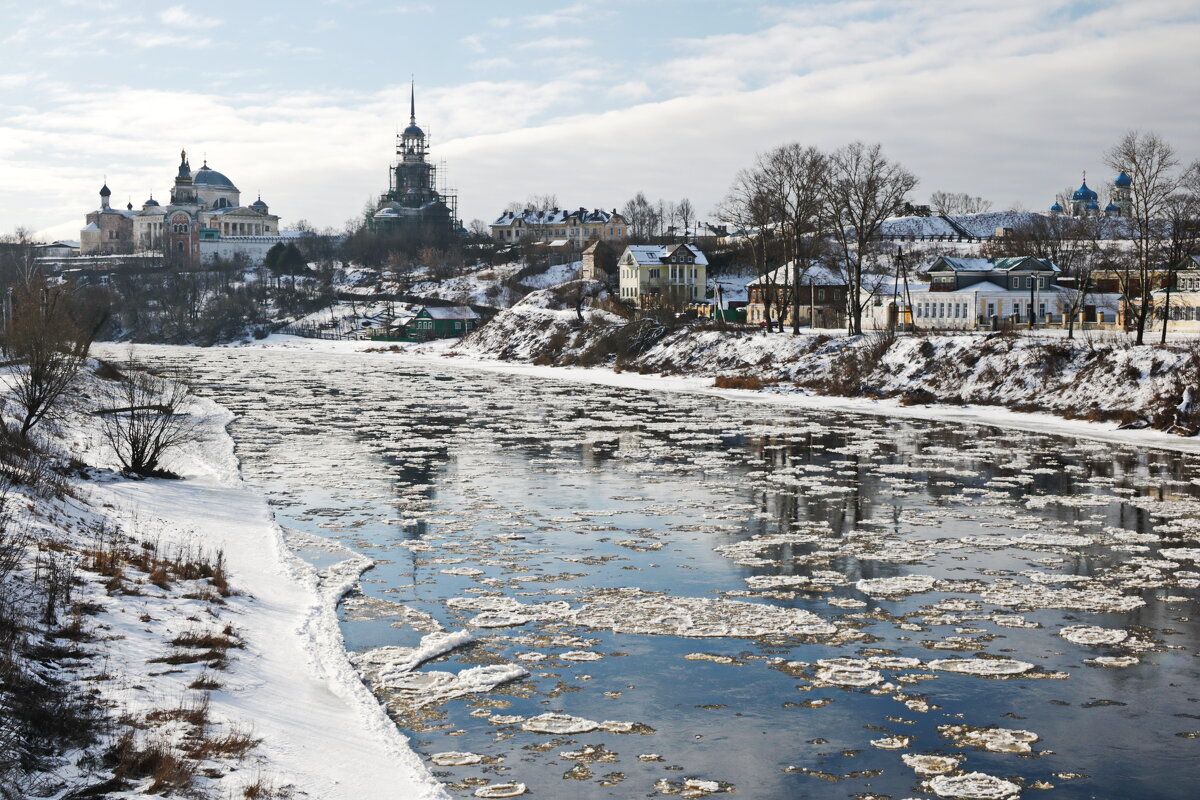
(795, 177)
(48, 345)
(640, 215)
(1183, 231)
(145, 417)
(1149, 161)
(862, 188)
(687, 215)
(958, 203)
(750, 207)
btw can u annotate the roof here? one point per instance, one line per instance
(1018, 263)
(1123, 181)
(995, 288)
(656, 254)
(815, 275)
(1084, 193)
(555, 216)
(449, 312)
(207, 176)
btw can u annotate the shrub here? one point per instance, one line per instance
(738, 382)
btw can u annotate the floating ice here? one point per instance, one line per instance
(931, 765)
(581, 655)
(996, 740)
(497, 619)
(1093, 635)
(985, 667)
(889, 587)
(892, 742)
(1112, 661)
(455, 759)
(420, 689)
(497, 790)
(383, 663)
(633, 611)
(838, 673)
(973, 786)
(559, 724)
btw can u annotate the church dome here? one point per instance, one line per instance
(1084, 193)
(258, 203)
(1056, 207)
(413, 130)
(150, 202)
(1093, 205)
(105, 191)
(1111, 207)
(1123, 181)
(207, 176)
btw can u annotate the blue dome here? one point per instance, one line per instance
(206, 176)
(1123, 181)
(1056, 207)
(105, 191)
(150, 202)
(258, 203)
(1111, 207)
(1084, 193)
(1093, 206)
(413, 130)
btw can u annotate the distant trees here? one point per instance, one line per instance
(958, 203)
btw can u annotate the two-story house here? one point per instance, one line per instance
(658, 276)
(967, 292)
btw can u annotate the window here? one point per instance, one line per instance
(820, 294)
(653, 274)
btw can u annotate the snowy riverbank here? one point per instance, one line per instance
(967, 414)
(273, 708)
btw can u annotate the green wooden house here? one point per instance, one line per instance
(437, 322)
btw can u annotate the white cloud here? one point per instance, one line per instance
(180, 17)
(1001, 100)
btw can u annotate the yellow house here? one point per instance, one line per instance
(655, 276)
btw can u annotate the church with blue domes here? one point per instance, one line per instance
(1085, 201)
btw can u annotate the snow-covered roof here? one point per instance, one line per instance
(449, 312)
(655, 254)
(91, 226)
(814, 275)
(1019, 263)
(534, 218)
(994, 288)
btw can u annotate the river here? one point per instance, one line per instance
(674, 594)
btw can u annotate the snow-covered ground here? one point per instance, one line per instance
(287, 681)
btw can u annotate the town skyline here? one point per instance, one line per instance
(591, 105)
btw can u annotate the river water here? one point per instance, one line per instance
(672, 594)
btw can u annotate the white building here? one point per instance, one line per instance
(577, 227)
(970, 292)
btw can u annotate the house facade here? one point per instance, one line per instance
(576, 227)
(662, 276)
(439, 322)
(971, 292)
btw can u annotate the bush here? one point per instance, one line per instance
(748, 382)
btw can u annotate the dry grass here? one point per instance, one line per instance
(748, 382)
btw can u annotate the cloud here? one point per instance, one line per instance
(575, 14)
(1004, 100)
(180, 17)
(556, 43)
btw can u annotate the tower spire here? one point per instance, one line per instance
(412, 102)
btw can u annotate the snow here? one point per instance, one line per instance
(292, 685)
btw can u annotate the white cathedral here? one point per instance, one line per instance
(204, 222)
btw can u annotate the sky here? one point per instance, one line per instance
(592, 102)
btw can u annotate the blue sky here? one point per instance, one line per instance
(589, 101)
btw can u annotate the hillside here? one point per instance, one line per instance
(1100, 378)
